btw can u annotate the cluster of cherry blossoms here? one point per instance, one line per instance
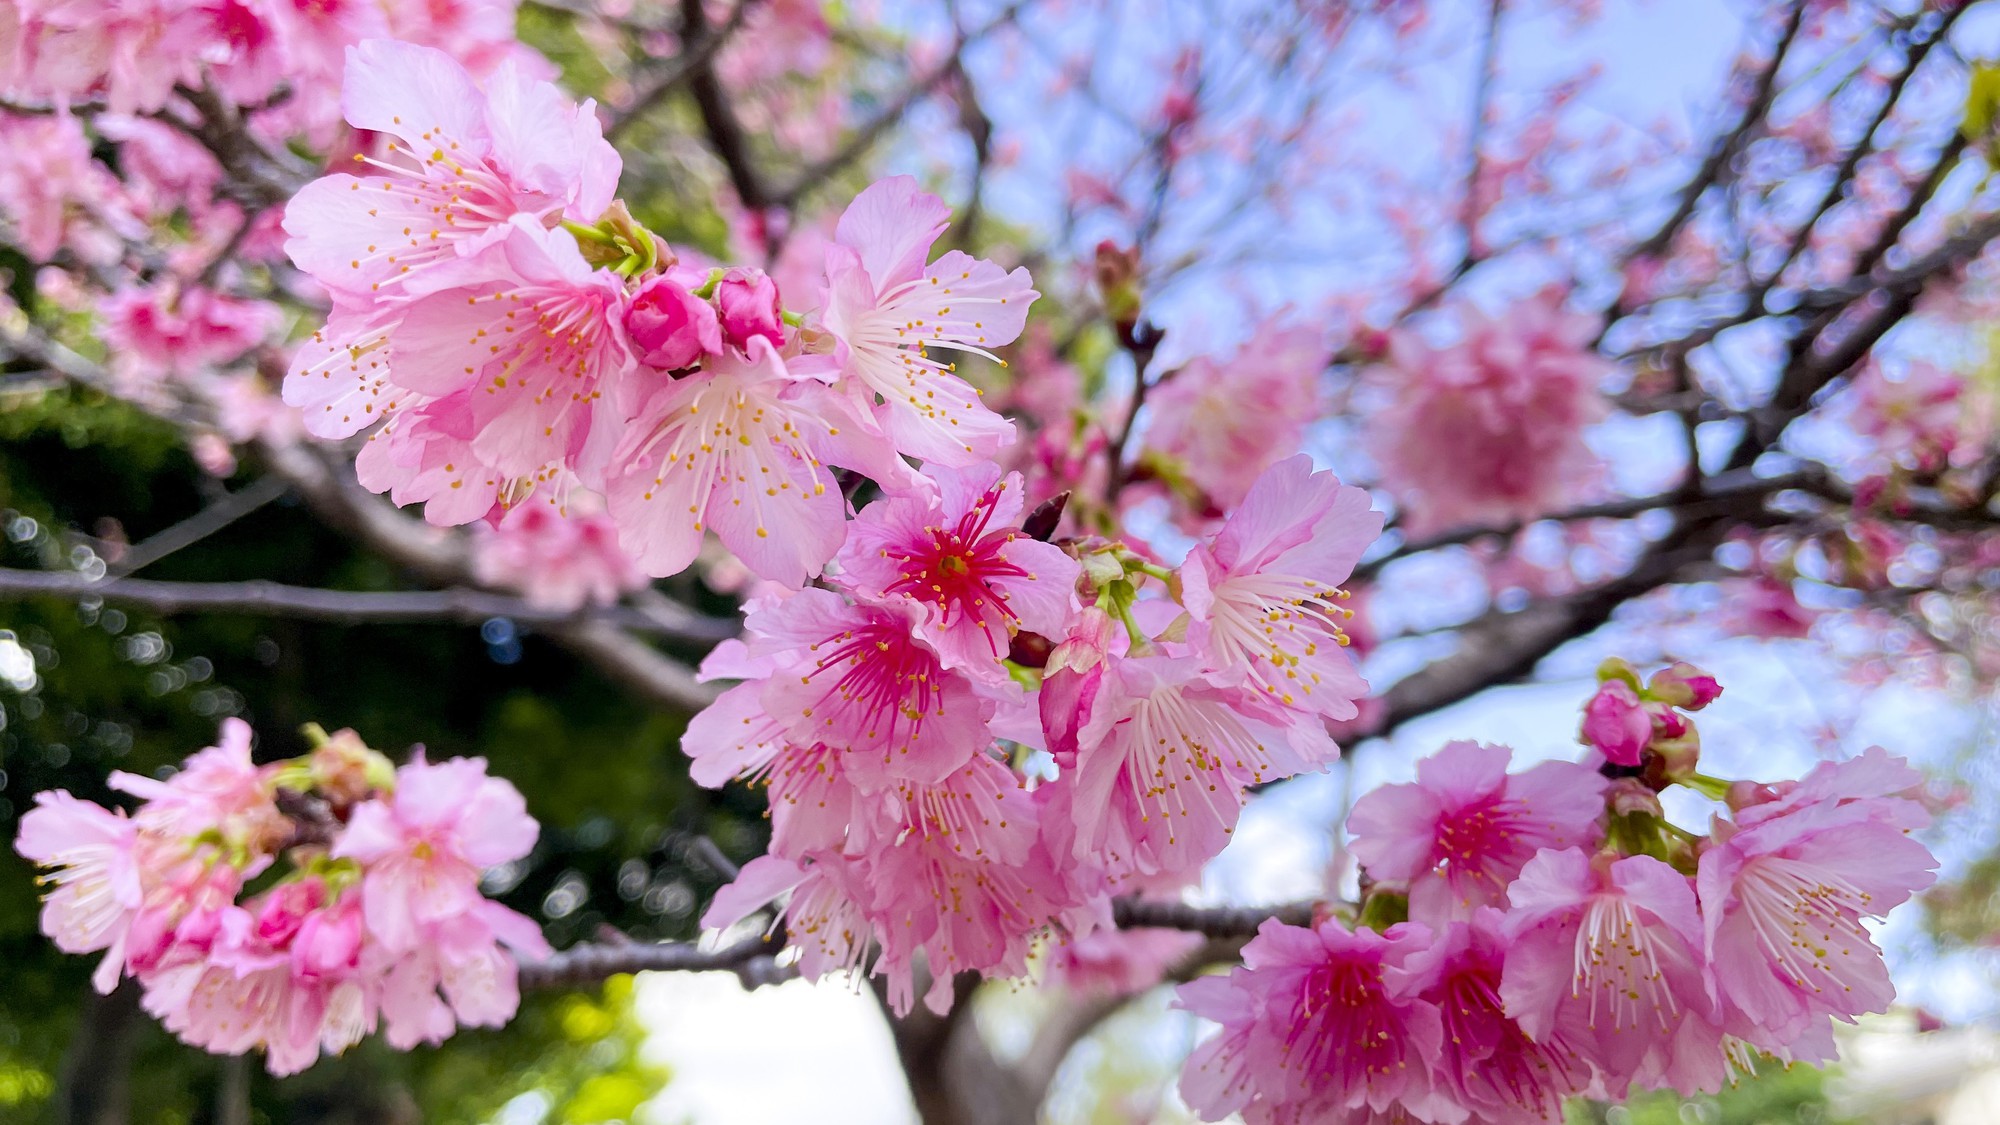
(1528, 936)
(972, 738)
(294, 906)
(505, 328)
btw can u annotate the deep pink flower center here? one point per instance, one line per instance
(883, 685)
(957, 570)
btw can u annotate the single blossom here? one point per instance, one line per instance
(1490, 428)
(1488, 1065)
(736, 447)
(89, 851)
(1457, 836)
(461, 161)
(1616, 723)
(1312, 1029)
(526, 329)
(851, 677)
(1167, 756)
(1607, 954)
(748, 301)
(888, 313)
(956, 547)
(1783, 899)
(1222, 421)
(422, 848)
(1265, 594)
(557, 560)
(670, 327)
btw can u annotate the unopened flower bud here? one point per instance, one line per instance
(748, 299)
(670, 327)
(1616, 723)
(1683, 685)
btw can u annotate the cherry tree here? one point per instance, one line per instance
(1081, 405)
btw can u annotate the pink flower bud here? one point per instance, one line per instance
(671, 327)
(748, 299)
(1615, 723)
(280, 913)
(1684, 686)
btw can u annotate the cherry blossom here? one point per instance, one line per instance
(1457, 837)
(1313, 1030)
(887, 311)
(1265, 594)
(957, 549)
(1489, 429)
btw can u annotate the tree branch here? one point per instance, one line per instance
(753, 960)
(694, 57)
(271, 599)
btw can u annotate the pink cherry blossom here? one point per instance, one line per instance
(670, 327)
(523, 326)
(460, 975)
(1072, 677)
(1113, 962)
(89, 850)
(460, 163)
(218, 789)
(51, 187)
(1265, 594)
(424, 455)
(1784, 896)
(182, 330)
(1608, 953)
(853, 677)
(956, 548)
(1490, 428)
(1167, 755)
(1616, 723)
(736, 447)
(1921, 419)
(1224, 420)
(889, 312)
(132, 52)
(557, 560)
(422, 849)
(1457, 836)
(1313, 1031)
(1488, 1064)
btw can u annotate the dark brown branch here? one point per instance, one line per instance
(1843, 175)
(753, 960)
(868, 132)
(718, 117)
(354, 607)
(1726, 146)
(1721, 488)
(695, 56)
(223, 513)
(1214, 921)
